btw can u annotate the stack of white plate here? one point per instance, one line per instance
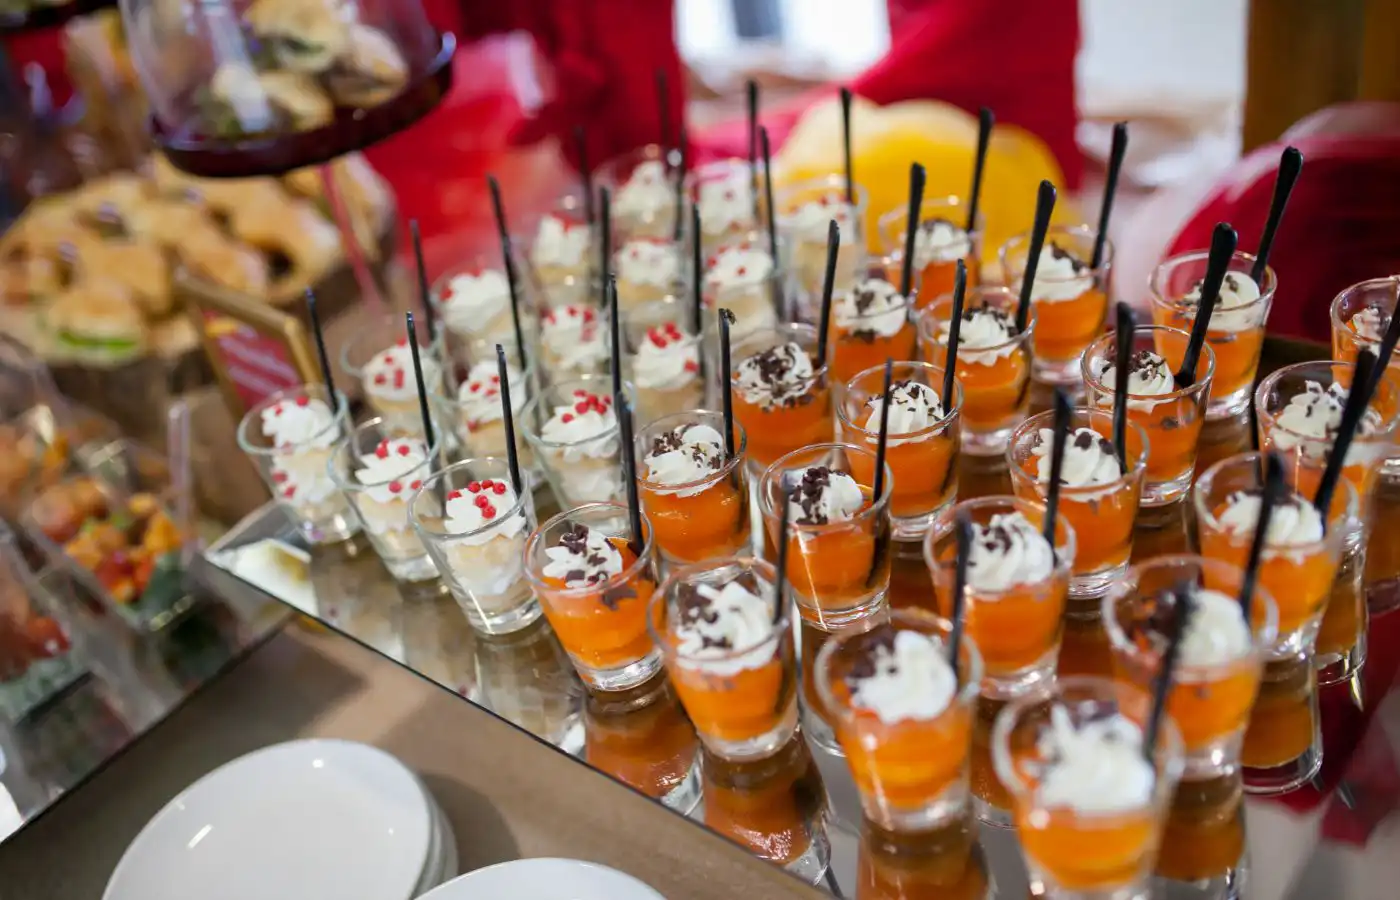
(545, 879)
(306, 820)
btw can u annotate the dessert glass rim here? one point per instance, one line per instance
(831, 182)
(347, 445)
(661, 599)
(927, 319)
(1387, 284)
(1166, 766)
(524, 420)
(1035, 423)
(730, 464)
(1261, 634)
(339, 416)
(1064, 550)
(1110, 340)
(1336, 526)
(1015, 266)
(908, 436)
(391, 324)
(808, 335)
(877, 505)
(896, 217)
(642, 561)
(518, 507)
(969, 683)
(1271, 418)
(616, 170)
(1159, 296)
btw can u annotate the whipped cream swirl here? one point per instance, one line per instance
(939, 240)
(587, 427)
(905, 675)
(1060, 276)
(574, 337)
(1148, 376)
(810, 221)
(473, 300)
(389, 476)
(1216, 633)
(560, 243)
(666, 360)
(725, 630)
(1095, 767)
(1294, 522)
(778, 376)
(685, 455)
(480, 394)
(389, 373)
(740, 266)
(1370, 324)
(483, 503)
(1007, 552)
(648, 262)
(823, 495)
(725, 197)
(1089, 458)
(1312, 419)
(645, 192)
(583, 558)
(1236, 309)
(985, 336)
(914, 407)
(872, 308)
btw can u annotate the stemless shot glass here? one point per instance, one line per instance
(1014, 601)
(1070, 296)
(290, 436)
(922, 440)
(1282, 747)
(993, 367)
(472, 299)
(471, 406)
(1222, 651)
(730, 658)
(378, 469)
(1097, 496)
(561, 251)
(942, 240)
(663, 355)
(805, 212)
(781, 397)
(1170, 417)
(378, 356)
(573, 341)
(870, 321)
(695, 498)
(744, 278)
(903, 716)
(474, 525)
(724, 191)
(647, 270)
(574, 432)
(1360, 316)
(643, 185)
(641, 737)
(1089, 807)
(1236, 331)
(838, 560)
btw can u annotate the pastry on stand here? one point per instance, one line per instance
(33, 15)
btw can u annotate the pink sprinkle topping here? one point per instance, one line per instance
(395, 486)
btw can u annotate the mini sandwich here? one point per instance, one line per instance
(97, 321)
(304, 35)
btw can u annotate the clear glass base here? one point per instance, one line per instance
(1016, 683)
(1165, 493)
(1094, 584)
(1230, 405)
(1058, 371)
(811, 866)
(411, 570)
(987, 443)
(622, 677)
(332, 528)
(819, 734)
(685, 796)
(1040, 888)
(1218, 759)
(508, 621)
(1336, 668)
(1229, 885)
(858, 610)
(914, 528)
(760, 746)
(991, 815)
(949, 806)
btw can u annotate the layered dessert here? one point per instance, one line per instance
(644, 204)
(387, 478)
(481, 412)
(993, 365)
(1070, 307)
(573, 341)
(390, 386)
(871, 325)
(808, 211)
(647, 269)
(666, 372)
(579, 445)
(833, 536)
(695, 499)
(476, 304)
(724, 195)
(487, 556)
(781, 402)
(1309, 424)
(303, 430)
(562, 251)
(740, 278)
(1172, 424)
(938, 245)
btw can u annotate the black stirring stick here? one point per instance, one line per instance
(320, 334)
(950, 363)
(697, 268)
(1290, 166)
(1110, 189)
(1222, 248)
(985, 122)
(629, 471)
(1126, 328)
(678, 229)
(780, 581)
(1058, 440)
(751, 90)
(777, 283)
(663, 112)
(833, 247)
(586, 171)
(846, 146)
(1358, 398)
(878, 487)
(962, 533)
(1166, 673)
(917, 177)
(605, 265)
(508, 259)
(1044, 208)
(614, 333)
(508, 420)
(424, 293)
(422, 386)
(726, 318)
(1273, 489)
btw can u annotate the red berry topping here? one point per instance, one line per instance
(692, 366)
(380, 379)
(279, 477)
(454, 495)
(474, 487)
(474, 387)
(499, 487)
(489, 511)
(566, 418)
(401, 342)
(588, 315)
(395, 486)
(741, 271)
(417, 483)
(289, 492)
(481, 502)
(277, 410)
(303, 400)
(581, 407)
(580, 393)
(404, 450)
(657, 338)
(382, 451)
(398, 378)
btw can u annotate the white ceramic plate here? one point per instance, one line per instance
(544, 879)
(310, 820)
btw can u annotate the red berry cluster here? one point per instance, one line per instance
(383, 450)
(664, 335)
(491, 391)
(290, 490)
(396, 487)
(482, 490)
(585, 402)
(572, 312)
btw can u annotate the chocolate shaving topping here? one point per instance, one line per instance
(1170, 423)
(931, 225)
(616, 594)
(694, 606)
(1144, 362)
(1106, 447)
(1057, 252)
(877, 643)
(773, 366)
(808, 495)
(575, 540)
(1084, 440)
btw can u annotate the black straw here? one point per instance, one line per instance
(316, 330)
(878, 487)
(1110, 189)
(985, 122)
(614, 315)
(846, 145)
(1166, 673)
(508, 259)
(1290, 166)
(1272, 493)
(629, 470)
(963, 535)
(1358, 398)
(777, 283)
(605, 265)
(751, 90)
(726, 318)
(424, 292)
(586, 171)
(833, 247)
(1044, 208)
(1058, 439)
(663, 111)
(697, 280)
(1222, 248)
(422, 386)
(677, 231)
(950, 363)
(1126, 328)
(917, 177)
(508, 420)
(780, 582)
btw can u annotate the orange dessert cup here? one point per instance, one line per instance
(942, 241)
(1070, 296)
(695, 497)
(642, 738)
(870, 322)
(781, 399)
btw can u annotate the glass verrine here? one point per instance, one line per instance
(1360, 316)
(644, 197)
(561, 251)
(378, 467)
(1014, 600)
(472, 300)
(475, 524)
(378, 356)
(1070, 296)
(291, 436)
(574, 432)
(743, 277)
(1236, 331)
(993, 367)
(943, 239)
(870, 321)
(781, 397)
(595, 583)
(1090, 809)
(649, 269)
(1301, 552)
(641, 737)
(1171, 417)
(728, 193)
(903, 715)
(471, 406)
(1283, 742)
(1204, 841)
(1221, 656)
(695, 497)
(663, 353)
(728, 654)
(1098, 496)
(805, 212)
(573, 342)
(838, 560)
(922, 440)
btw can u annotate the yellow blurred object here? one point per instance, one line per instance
(886, 140)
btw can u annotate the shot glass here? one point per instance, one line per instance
(903, 716)
(1217, 676)
(1236, 331)
(474, 525)
(599, 616)
(379, 468)
(1103, 513)
(644, 197)
(561, 251)
(839, 570)
(1070, 296)
(728, 655)
(1360, 316)
(780, 419)
(923, 459)
(871, 321)
(641, 737)
(701, 518)
(574, 432)
(471, 407)
(744, 278)
(993, 366)
(649, 269)
(573, 341)
(805, 212)
(1282, 747)
(664, 354)
(1298, 574)
(472, 300)
(1204, 842)
(291, 437)
(946, 862)
(381, 360)
(728, 193)
(943, 239)
(1017, 625)
(1172, 420)
(1090, 839)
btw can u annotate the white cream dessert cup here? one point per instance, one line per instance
(663, 359)
(582, 465)
(379, 358)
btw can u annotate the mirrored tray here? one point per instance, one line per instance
(798, 808)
